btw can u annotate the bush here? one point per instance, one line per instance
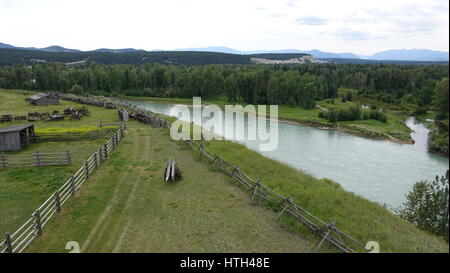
(349, 114)
(426, 206)
(420, 111)
(76, 89)
(352, 113)
(349, 96)
(375, 115)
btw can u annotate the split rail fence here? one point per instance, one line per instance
(259, 192)
(17, 241)
(95, 134)
(36, 160)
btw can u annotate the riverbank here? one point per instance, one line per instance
(394, 130)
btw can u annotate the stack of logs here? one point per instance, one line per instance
(76, 114)
(147, 119)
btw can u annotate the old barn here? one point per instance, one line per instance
(15, 137)
(43, 99)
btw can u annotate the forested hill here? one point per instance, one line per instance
(21, 56)
(18, 56)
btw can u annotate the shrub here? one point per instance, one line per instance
(426, 206)
(420, 111)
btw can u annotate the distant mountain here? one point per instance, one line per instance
(121, 50)
(321, 54)
(411, 55)
(2, 45)
(315, 53)
(55, 48)
(419, 55)
(219, 49)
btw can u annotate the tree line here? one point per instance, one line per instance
(298, 85)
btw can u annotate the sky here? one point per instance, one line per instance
(358, 26)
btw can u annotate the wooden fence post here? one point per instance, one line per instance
(86, 168)
(122, 134)
(72, 185)
(3, 160)
(38, 160)
(288, 200)
(236, 168)
(255, 189)
(323, 240)
(100, 153)
(106, 151)
(95, 160)
(9, 248)
(37, 221)
(69, 157)
(215, 158)
(200, 148)
(57, 201)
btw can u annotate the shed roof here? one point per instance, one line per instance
(15, 128)
(38, 96)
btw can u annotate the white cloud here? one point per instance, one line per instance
(311, 20)
(348, 34)
(350, 25)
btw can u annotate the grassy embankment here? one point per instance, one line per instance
(394, 129)
(125, 207)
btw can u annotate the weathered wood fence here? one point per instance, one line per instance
(328, 232)
(95, 134)
(36, 160)
(17, 241)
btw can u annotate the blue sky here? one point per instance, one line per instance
(362, 27)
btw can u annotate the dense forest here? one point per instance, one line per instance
(257, 84)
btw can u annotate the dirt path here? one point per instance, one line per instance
(114, 200)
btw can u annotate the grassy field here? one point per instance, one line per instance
(394, 129)
(125, 206)
(22, 190)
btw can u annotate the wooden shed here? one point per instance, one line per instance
(16, 137)
(123, 115)
(43, 99)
